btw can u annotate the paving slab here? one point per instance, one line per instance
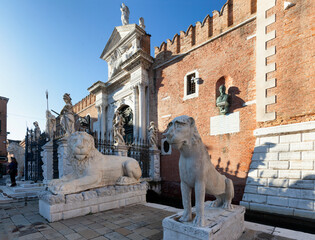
(137, 222)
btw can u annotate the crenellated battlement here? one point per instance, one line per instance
(231, 14)
(85, 102)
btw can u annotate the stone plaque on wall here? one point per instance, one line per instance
(224, 124)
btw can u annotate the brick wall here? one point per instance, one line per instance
(231, 14)
(87, 107)
(3, 122)
(228, 59)
(294, 58)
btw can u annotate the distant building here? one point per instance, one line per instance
(3, 128)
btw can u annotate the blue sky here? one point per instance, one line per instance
(56, 45)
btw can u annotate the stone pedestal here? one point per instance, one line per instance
(121, 151)
(47, 158)
(155, 164)
(64, 167)
(219, 224)
(58, 207)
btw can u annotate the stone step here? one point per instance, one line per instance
(27, 189)
(30, 185)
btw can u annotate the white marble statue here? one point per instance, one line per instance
(67, 115)
(152, 135)
(196, 170)
(92, 169)
(141, 23)
(124, 14)
(37, 131)
(119, 131)
(17, 151)
(50, 125)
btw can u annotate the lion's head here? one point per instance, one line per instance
(81, 144)
(182, 131)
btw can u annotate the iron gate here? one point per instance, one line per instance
(137, 149)
(33, 160)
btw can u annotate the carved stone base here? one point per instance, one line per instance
(121, 150)
(58, 207)
(219, 224)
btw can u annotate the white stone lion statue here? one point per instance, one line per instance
(17, 151)
(92, 169)
(196, 170)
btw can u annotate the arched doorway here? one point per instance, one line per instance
(126, 113)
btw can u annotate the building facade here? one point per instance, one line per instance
(3, 128)
(262, 51)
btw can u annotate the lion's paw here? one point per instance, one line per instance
(215, 203)
(227, 205)
(198, 221)
(123, 180)
(186, 217)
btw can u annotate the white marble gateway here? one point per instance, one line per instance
(58, 207)
(219, 224)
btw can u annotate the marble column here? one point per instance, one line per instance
(102, 116)
(142, 112)
(99, 118)
(135, 113)
(64, 166)
(47, 157)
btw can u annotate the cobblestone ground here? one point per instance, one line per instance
(18, 221)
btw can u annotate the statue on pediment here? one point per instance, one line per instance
(124, 14)
(141, 23)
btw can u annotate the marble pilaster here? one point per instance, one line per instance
(47, 158)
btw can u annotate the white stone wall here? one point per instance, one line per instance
(281, 178)
(58, 207)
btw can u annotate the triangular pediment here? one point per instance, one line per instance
(117, 37)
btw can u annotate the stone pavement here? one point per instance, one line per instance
(18, 221)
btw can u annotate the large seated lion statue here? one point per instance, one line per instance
(92, 169)
(196, 170)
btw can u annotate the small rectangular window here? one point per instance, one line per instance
(191, 85)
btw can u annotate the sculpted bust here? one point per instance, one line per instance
(92, 169)
(196, 170)
(223, 101)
